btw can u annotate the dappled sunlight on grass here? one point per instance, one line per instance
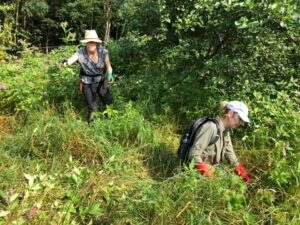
(123, 168)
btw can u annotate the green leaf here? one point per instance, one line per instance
(13, 197)
(76, 170)
(4, 213)
(30, 179)
(96, 210)
(75, 178)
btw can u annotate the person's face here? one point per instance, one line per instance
(234, 120)
(91, 46)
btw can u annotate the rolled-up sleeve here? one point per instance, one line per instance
(73, 59)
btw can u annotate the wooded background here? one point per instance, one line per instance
(173, 61)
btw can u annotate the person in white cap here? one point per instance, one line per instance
(206, 155)
(94, 61)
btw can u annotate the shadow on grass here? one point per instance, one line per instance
(162, 162)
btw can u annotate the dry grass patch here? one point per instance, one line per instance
(85, 149)
(5, 126)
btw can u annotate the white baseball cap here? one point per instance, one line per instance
(240, 108)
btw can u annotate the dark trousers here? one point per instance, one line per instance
(90, 92)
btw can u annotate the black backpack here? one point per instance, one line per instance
(188, 137)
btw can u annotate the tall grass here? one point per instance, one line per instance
(123, 169)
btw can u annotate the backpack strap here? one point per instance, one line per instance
(215, 138)
(188, 138)
(198, 123)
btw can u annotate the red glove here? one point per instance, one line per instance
(204, 169)
(242, 172)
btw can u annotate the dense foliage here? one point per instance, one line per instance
(173, 61)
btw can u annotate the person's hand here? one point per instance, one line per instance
(110, 77)
(242, 172)
(204, 169)
(64, 63)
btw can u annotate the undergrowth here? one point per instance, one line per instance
(123, 168)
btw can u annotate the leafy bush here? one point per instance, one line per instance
(123, 169)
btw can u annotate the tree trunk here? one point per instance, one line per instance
(107, 13)
(47, 44)
(16, 21)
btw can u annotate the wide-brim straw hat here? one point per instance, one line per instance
(90, 36)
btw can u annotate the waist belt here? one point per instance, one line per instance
(91, 79)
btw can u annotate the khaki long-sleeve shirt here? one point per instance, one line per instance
(201, 151)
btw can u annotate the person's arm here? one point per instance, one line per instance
(108, 68)
(231, 157)
(229, 152)
(71, 60)
(202, 139)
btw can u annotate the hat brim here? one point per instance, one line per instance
(90, 40)
(244, 117)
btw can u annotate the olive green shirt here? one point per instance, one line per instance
(201, 151)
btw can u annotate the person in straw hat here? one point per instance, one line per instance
(93, 60)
